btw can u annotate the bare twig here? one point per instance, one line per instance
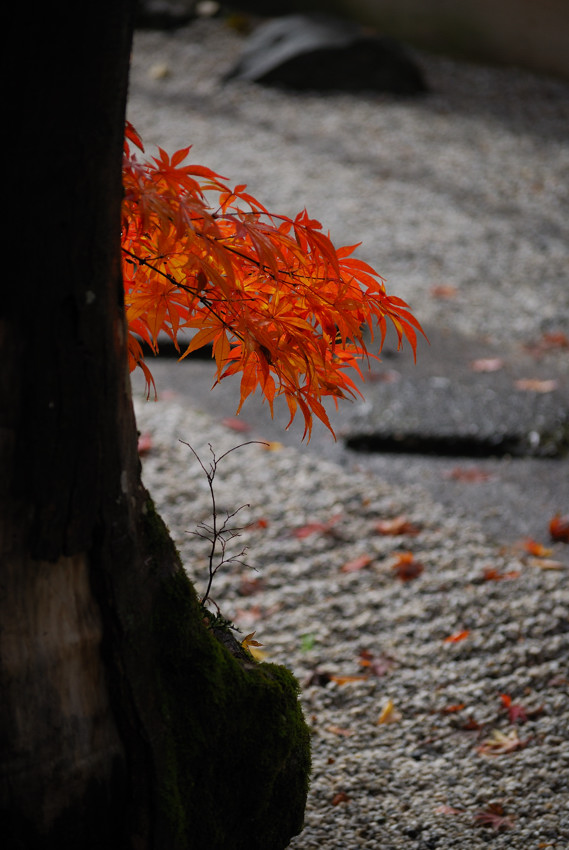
(218, 533)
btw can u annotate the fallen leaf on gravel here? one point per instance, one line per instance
(159, 71)
(387, 376)
(472, 474)
(500, 743)
(448, 810)
(338, 730)
(457, 636)
(470, 725)
(389, 714)
(492, 574)
(534, 548)
(272, 446)
(555, 340)
(378, 665)
(534, 385)
(315, 528)
(406, 567)
(309, 528)
(547, 564)
(344, 680)
(443, 290)
(144, 444)
(548, 342)
(356, 564)
(396, 526)
(307, 642)
(250, 586)
(258, 523)
(516, 711)
(340, 797)
(494, 817)
(559, 528)
(487, 364)
(236, 424)
(169, 395)
(451, 709)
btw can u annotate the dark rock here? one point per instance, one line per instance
(321, 53)
(164, 14)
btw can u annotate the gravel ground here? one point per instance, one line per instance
(466, 188)
(419, 781)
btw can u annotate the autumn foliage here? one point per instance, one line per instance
(277, 302)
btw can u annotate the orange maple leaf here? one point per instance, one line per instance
(406, 567)
(277, 302)
(457, 636)
(253, 646)
(249, 640)
(535, 548)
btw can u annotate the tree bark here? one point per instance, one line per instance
(123, 721)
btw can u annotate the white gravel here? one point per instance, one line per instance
(467, 188)
(315, 618)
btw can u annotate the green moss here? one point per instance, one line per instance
(236, 754)
(157, 536)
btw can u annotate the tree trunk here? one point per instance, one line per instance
(124, 723)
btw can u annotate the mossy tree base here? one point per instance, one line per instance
(238, 748)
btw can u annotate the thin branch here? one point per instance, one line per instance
(218, 535)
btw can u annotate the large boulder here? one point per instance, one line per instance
(321, 53)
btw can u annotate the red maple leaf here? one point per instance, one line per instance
(406, 567)
(316, 528)
(492, 574)
(494, 817)
(516, 712)
(559, 528)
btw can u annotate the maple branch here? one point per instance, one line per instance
(176, 283)
(218, 535)
(273, 296)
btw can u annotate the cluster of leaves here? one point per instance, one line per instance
(272, 296)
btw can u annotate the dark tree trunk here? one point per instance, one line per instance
(123, 722)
